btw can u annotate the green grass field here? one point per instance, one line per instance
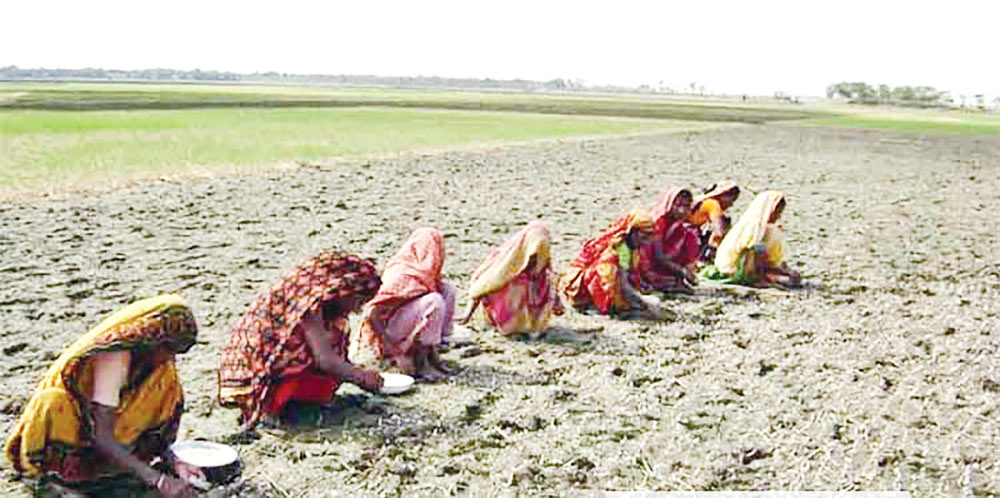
(914, 121)
(945, 124)
(44, 150)
(55, 136)
(61, 135)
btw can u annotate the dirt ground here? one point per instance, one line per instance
(883, 374)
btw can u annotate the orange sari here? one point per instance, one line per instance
(593, 276)
(706, 211)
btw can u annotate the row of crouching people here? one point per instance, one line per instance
(110, 404)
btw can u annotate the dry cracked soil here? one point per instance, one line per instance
(882, 374)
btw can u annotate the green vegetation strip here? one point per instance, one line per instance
(52, 150)
(941, 123)
(106, 96)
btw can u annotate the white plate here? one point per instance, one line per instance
(203, 453)
(395, 383)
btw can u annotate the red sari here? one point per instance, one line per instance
(673, 240)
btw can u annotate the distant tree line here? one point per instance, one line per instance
(197, 75)
(96, 73)
(912, 96)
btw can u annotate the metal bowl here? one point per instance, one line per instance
(213, 463)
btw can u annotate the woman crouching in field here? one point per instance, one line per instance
(515, 283)
(753, 252)
(108, 406)
(605, 275)
(412, 313)
(287, 354)
(708, 213)
(666, 263)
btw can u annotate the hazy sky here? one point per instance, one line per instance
(746, 46)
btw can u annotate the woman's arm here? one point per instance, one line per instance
(468, 315)
(379, 318)
(718, 229)
(775, 269)
(110, 373)
(105, 444)
(327, 360)
(664, 262)
(687, 275)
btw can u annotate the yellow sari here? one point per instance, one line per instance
(751, 241)
(54, 431)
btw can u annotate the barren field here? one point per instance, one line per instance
(883, 374)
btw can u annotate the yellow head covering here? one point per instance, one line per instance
(511, 258)
(748, 231)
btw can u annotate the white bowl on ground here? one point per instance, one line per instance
(393, 383)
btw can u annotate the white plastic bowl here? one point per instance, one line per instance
(395, 383)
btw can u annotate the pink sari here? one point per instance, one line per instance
(515, 283)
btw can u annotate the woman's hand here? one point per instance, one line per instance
(794, 277)
(715, 239)
(172, 487)
(690, 276)
(190, 474)
(687, 275)
(369, 380)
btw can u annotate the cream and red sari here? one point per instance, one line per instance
(752, 245)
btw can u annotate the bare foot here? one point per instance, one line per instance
(437, 363)
(406, 365)
(430, 374)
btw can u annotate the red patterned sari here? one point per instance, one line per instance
(267, 361)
